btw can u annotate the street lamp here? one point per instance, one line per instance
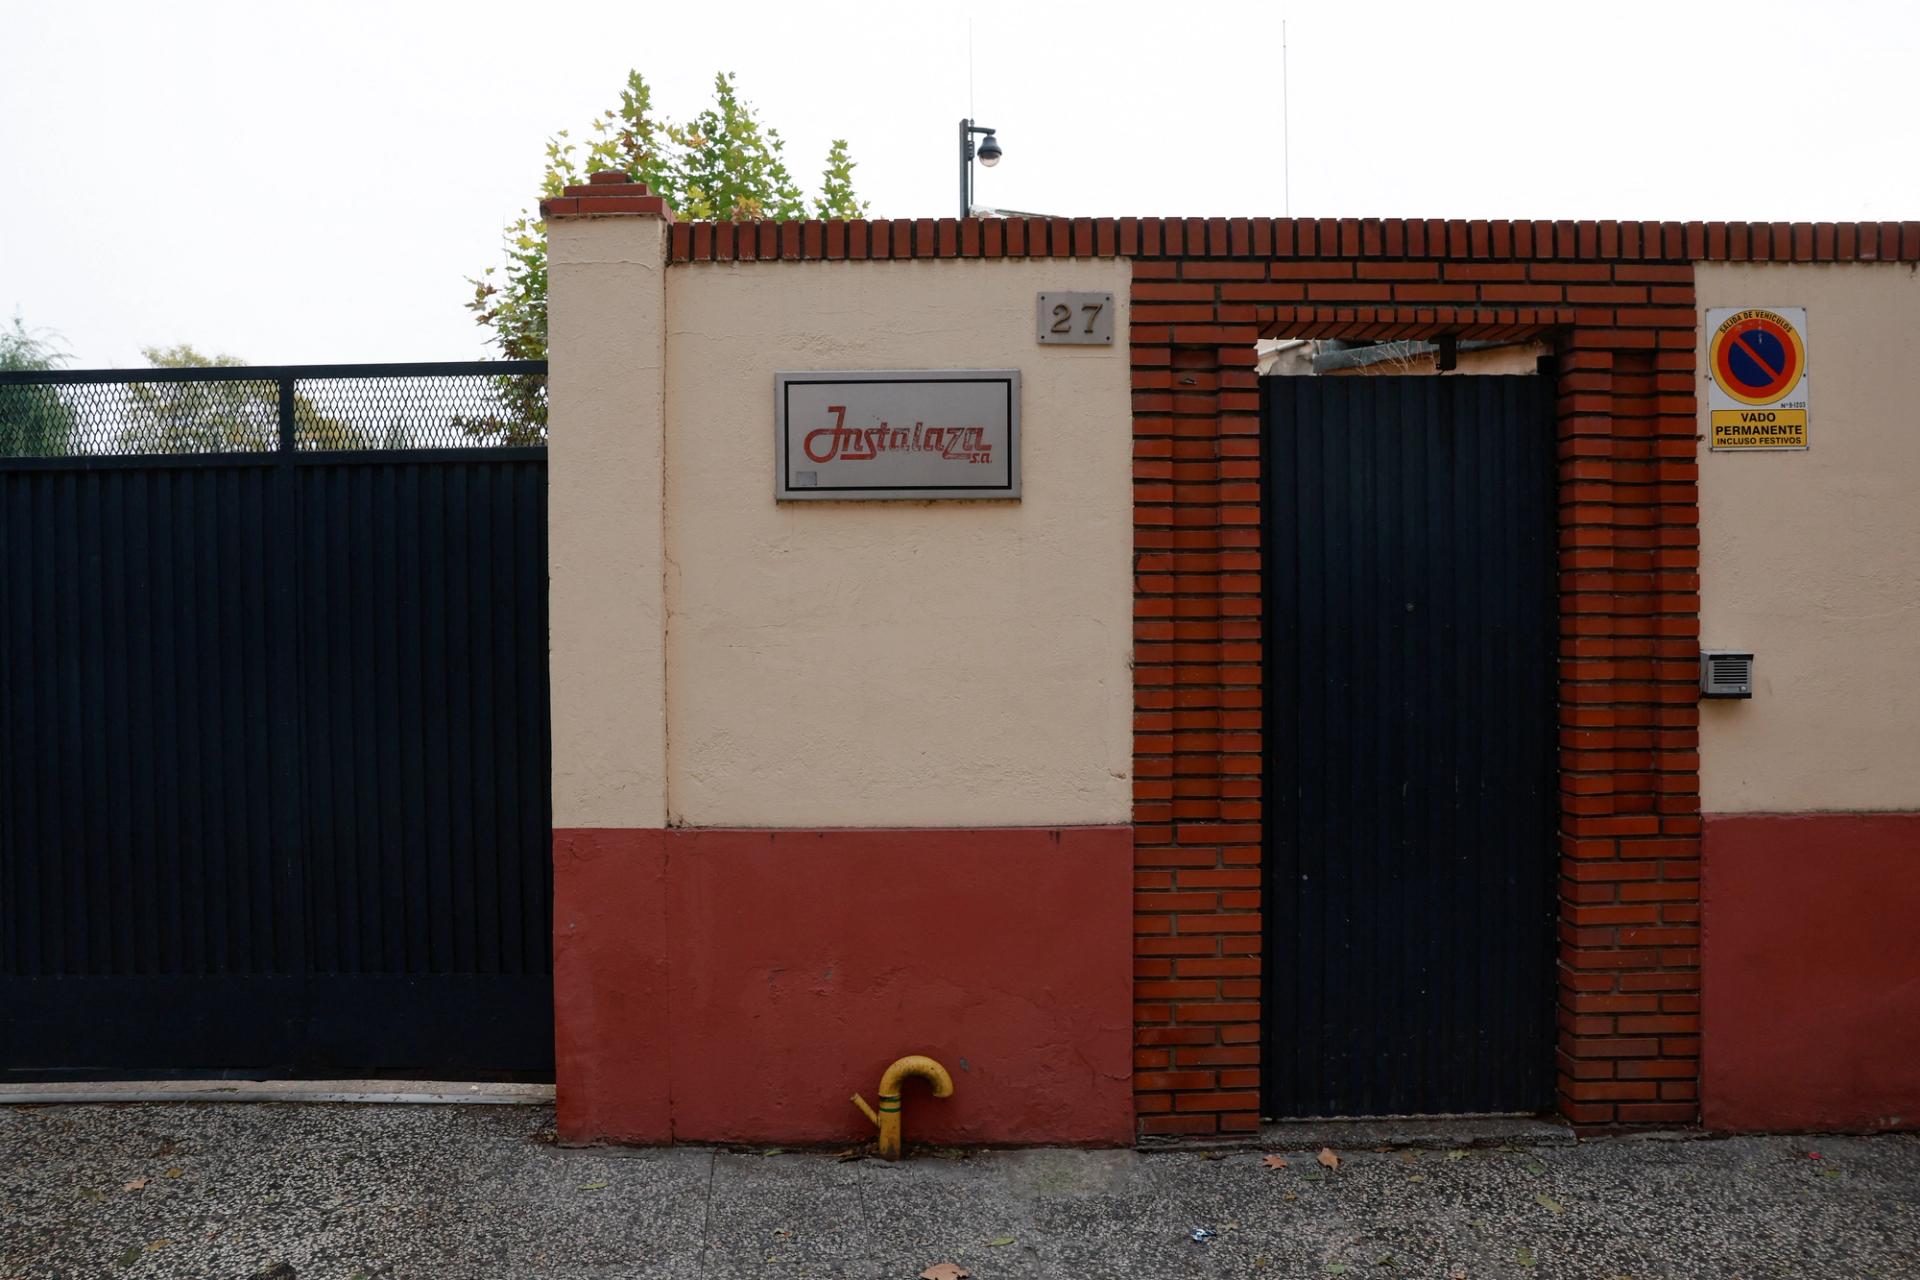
(989, 154)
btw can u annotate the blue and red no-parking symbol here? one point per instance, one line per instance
(1757, 357)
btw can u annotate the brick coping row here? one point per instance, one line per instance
(1249, 237)
(895, 239)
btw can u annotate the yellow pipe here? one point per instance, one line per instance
(887, 1119)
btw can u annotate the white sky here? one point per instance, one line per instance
(311, 182)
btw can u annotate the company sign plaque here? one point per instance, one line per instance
(897, 433)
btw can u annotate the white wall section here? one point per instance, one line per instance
(1810, 559)
(954, 663)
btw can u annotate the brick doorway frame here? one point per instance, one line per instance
(1622, 318)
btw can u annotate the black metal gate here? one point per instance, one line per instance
(273, 723)
(1410, 693)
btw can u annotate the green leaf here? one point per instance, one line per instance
(593, 1186)
(724, 163)
(1548, 1203)
(999, 1241)
(1524, 1256)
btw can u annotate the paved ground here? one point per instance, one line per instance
(305, 1192)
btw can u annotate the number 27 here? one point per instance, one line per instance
(1063, 316)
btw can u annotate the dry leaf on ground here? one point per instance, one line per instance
(945, 1271)
(1274, 1162)
(1328, 1158)
(137, 1184)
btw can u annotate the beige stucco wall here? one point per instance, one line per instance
(895, 663)
(606, 612)
(1812, 560)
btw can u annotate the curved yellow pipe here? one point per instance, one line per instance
(887, 1119)
(915, 1064)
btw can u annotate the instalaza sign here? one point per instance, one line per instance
(897, 433)
(840, 442)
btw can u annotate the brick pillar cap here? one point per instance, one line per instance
(609, 192)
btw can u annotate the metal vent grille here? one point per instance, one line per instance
(1725, 673)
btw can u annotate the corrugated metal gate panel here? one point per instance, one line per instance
(1410, 737)
(273, 768)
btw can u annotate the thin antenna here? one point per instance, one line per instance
(969, 68)
(1286, 127)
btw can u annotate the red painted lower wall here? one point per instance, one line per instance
(1811, 971)
(738, 986)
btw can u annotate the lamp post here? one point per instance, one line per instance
(989, 153)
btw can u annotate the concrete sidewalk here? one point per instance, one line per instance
(334, 1192)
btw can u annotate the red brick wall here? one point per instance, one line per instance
(1617, 301)
(1629, 985)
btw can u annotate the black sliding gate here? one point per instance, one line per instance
(273, 723)
(1410, 722)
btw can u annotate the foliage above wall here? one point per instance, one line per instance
(724, 163)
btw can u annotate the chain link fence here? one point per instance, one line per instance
(254, 410)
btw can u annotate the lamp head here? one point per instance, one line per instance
(989, 151)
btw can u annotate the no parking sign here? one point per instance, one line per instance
(1757, 359)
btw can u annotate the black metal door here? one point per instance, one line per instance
(274, 757)
(1410, 789)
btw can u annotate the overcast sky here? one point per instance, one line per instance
(299, 183)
